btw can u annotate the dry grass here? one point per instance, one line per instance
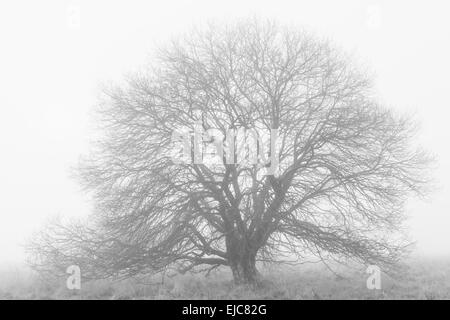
(424, 279)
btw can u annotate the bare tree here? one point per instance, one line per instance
(346, 164)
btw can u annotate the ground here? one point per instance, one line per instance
(425, 278)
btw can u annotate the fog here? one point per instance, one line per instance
(55, 54)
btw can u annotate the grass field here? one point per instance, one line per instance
(424, 279)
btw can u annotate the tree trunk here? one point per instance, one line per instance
(245, 272)
(242, 259)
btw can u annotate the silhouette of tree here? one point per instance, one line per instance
(346, 164)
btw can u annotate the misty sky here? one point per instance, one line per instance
(55, 54)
